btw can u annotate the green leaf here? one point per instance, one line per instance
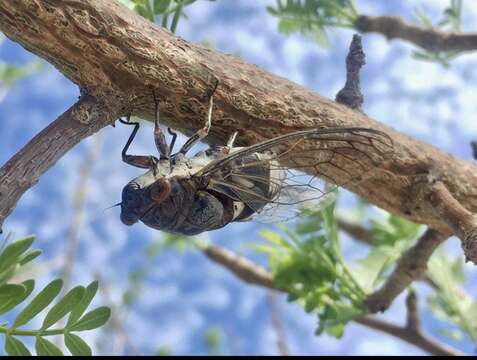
(77, 346)
(144, 12)
(8, 304)
(15, 347)
(163, 351)
(11, 73)
(64, 306)
(335, 330)
(449, 302)
(161, 6)
(93, 319)
(454, 334)
(44, 347)
(81, 307)
(10, 254)
(29, 256)
(274, 238)
(9, 291)
(41, 301)
(331, 227)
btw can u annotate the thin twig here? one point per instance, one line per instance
(412, 266)
(116, 322)
(430, 39)
(350, 95)
(252, 273)
(473, 145)
(79, 200)
(355, 231)
(277, 325)
(412, 321)
(241, 266)
(419, 340)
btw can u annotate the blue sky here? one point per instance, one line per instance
(184, 295)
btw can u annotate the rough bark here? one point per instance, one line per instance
(411, 266)
(100, 44)
(23, 170)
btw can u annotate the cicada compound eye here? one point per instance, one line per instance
(160, 190)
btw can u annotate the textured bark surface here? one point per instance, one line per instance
(100, 44)
(24, 169)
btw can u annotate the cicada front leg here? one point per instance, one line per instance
(140, 161)
(231, 141)
(159, 138)
(173, 140)
(202, 133)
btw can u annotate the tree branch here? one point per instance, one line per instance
(356, 231)
(277, 325)
(363, 235)
(242, 267)
(434, 40)
(101, 44)
(412, 266)
(419, 340)
(24, 169)
(462, 221)
(252, 273)
(413, 322)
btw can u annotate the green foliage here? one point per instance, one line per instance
(75, 302)
(166, 12)
(449, 302)
(11, 73)
(312, 17)
(390, 237)
(451, 21)
(213, 340)
(307, 261)
(163, 351)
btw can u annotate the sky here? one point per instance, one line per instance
(185, 295)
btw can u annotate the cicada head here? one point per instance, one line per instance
(141, 194)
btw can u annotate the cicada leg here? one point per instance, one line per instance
(230, 142)
(140, 161)
(173, 140)
(159, 138)
(202, 133)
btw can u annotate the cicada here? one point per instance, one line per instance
(224, 184)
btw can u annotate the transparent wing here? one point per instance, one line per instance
(302, 168)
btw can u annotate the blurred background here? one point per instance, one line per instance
(171, 300)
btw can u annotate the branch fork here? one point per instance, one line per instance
(92, 112)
